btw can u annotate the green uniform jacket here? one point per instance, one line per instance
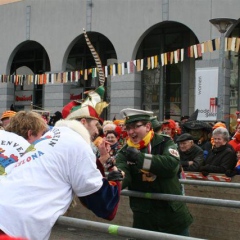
(156, 215)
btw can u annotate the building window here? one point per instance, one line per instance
(151, 86)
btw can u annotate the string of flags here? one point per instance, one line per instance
(152, 62)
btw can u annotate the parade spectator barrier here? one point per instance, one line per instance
(214, 204)
(119, 230)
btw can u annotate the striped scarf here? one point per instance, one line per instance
(143, 143)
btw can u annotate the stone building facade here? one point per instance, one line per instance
(46, 36)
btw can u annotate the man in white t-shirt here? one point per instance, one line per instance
(90, 119)
(41, 185)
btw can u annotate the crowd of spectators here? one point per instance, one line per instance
(202, 147)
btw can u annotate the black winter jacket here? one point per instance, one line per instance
(220, 160)
(195, 154)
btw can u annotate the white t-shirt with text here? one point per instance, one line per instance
(12, 147)
(40, 187)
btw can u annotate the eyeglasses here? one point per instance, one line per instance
(110, 137)
(133, 127)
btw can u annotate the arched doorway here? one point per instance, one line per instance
(32, 57)
(165, 90)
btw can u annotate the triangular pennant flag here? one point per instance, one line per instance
(119, 69)
(233, 44)
(182, 54)
(226, 44)
(138, 65)
(171, 57)
(152, 62)
(85, 74)
(123, 68)
(237, 45)
(155, 61)
(162, 59)
(213, 44)
(111, 70)
(199, 50)
(44, 78)
(106, 71)
(128, 67)
(195, 51)
(131, 66)
(175, 56)
(205, 47)
(116, 68)
(148, 63)
(168, 57)
(210, 48)
(165, 58)
(141, 64)
(54, 77)
(229, 44)
(217, 43)
(202, 47)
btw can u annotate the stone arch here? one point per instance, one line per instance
(77, 55)
(30, 54)
(174, 80)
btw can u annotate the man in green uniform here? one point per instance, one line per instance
(151, 164)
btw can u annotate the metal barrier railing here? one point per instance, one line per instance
(209, 183)
(119, 230)
(144, 234)
(180, 198)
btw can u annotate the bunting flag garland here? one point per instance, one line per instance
(152, 62)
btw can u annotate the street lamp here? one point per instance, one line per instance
(222, 24)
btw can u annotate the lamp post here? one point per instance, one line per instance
(223, 93)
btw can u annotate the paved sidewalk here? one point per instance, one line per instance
(68, 233)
